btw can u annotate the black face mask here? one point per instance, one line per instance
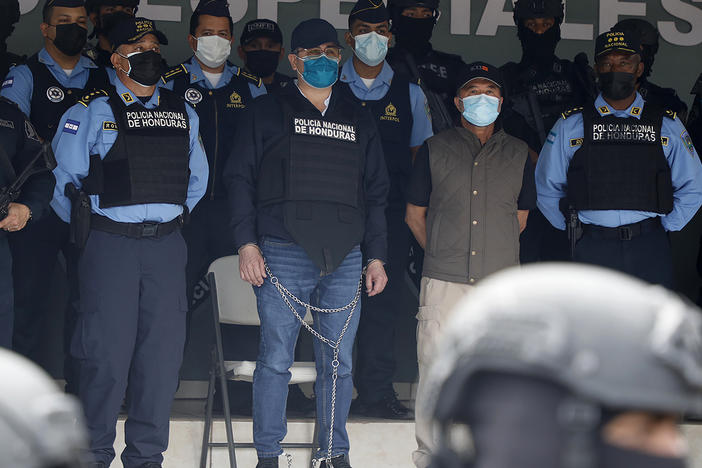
(614, 457)
(108, 21)
(414, 33)
(145, 68)
(70, 38)
(539, 47)
(616, 85)
(262, 62)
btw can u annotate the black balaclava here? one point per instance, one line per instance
(538, 48)
(515, 421)
(414, 34)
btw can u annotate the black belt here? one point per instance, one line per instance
(135, 230)
(624, 233)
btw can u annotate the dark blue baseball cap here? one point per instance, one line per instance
(369, 11)
(313, 33)
(219, 8)
(132, 30)
(64, 3)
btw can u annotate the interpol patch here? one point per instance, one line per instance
(71, 126)
(107, 125)
(688, 142)
(8, 83)
(326, 129)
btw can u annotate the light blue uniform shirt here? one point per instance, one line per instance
(19, 84)
(421, 123)
(686, 172)
(80, 134)
(197, 76)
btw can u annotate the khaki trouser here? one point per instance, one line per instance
(437, 299)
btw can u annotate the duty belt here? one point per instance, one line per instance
(135, 230)
(624, 233)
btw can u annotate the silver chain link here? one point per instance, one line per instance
(335, 345)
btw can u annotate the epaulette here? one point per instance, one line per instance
(573, 111)
(670, 114)
(252, 78)
(96, 93)
(174, 72)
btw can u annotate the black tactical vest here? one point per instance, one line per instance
(393, 117)
(620, 164)
(149, 161)
(219, 110)
(542, 95)
(316, 172)
(50, 100)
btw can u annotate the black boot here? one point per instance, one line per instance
(267, 462)
(336, 462)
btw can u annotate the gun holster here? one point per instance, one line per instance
(80, 215)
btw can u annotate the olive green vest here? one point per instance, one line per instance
(472, 225)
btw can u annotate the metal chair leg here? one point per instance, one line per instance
(227, 414)
(208, 417)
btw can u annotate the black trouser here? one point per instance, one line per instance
(6, 312)
(541, 242)
(35, 251)
(208, 237)
(375, 358)
(646, 256)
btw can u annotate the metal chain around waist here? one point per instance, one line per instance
(285, 294)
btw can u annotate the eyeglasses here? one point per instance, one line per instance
(330, 52)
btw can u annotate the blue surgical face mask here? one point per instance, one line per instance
(320, 72)
(481, 110)
(371, 48)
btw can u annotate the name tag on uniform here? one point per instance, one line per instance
(326, 129)
(157, 119)
(71, 126)
(8, 83)
(107, 125)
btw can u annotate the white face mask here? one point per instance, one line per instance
(213, 50)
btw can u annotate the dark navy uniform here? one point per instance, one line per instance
(19, 143)
(400, 112)
(662, 97)
(279, 81)
(44, 92)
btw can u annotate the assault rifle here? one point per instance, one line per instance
(11, 192)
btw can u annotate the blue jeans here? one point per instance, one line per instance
(279, 331)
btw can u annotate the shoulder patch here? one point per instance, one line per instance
(252, 78)
(573, 111)
(664, 141)
(670, 114)
(576, 142)
(687, 141)
(96, 93)
(107, 125)
(174, 72)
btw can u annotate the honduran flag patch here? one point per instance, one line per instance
(71, 126)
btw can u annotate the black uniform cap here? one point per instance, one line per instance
(433, 4)
(312, 33)
(132, 30)
(479, 70)
(369, 11)
(261, 28)
(620, 41)
(218, 8)
(64, 3)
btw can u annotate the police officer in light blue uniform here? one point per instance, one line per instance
(44, 87)
(401, 114)
(136, 151)
(627, 167)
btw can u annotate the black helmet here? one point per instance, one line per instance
(93, 6)
(524, 9)
(9, 15)
(395, 7)
(648, 36)
(605, 337)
